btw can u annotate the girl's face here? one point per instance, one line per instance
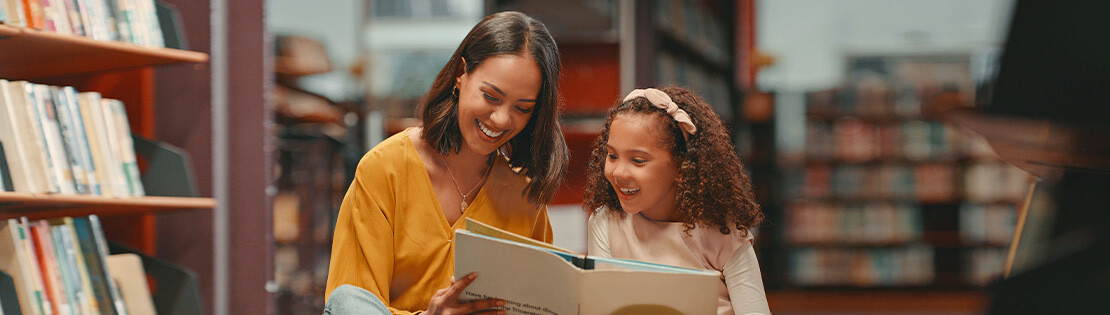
(639, 168)
(496, 100)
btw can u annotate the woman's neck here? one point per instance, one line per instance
(466, 161)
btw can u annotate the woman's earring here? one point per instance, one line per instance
(455, 91)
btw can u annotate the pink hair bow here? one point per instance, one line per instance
(663, 101)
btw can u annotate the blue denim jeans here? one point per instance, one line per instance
(349, 299)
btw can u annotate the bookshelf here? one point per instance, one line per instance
(116, 70)
(890, 196)
(43, 54)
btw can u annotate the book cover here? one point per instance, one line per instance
(127, 270)
(37, 161)
(543, 280)
(48, 263)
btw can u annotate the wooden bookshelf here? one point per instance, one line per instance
(28, 54)
(40, 206)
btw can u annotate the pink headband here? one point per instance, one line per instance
(663, 101)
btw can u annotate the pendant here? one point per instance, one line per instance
(462, 206)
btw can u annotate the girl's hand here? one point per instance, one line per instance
(446, 300)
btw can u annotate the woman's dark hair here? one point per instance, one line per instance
(712, 190)
(539, 150)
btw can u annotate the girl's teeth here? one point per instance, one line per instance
(488, 132)
(629, 191)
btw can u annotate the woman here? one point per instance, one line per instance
(490, 149)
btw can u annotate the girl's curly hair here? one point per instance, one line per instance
(712, 190)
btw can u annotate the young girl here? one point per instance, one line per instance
(668, 188)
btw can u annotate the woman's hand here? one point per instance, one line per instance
(446, 300)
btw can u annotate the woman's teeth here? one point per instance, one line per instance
(629, 191)
(488, 132)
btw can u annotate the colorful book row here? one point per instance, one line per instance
(57, 140)
(875, 223)
(929, 182)
(987, 224)
(911, 266)
(851, 139)
(132, 21)
(60, 266)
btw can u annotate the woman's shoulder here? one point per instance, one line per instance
(395, 152)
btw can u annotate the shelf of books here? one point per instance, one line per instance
(70, 176)
(692, 47)
(889, 196)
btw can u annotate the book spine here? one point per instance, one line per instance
(13, 12)
(74, 15)
(115, 168)
(68, 139)
(37, 162)
(46, 119)
(83, 147)
(35, 298)
(12, 138)
(100, 247)
(153, 28)
(52, 277)
(12, 262)
(68, 268)
(98, 144)
(32, 10)
(60, 13)
(127, 149)
(91, 305)
(32, 263)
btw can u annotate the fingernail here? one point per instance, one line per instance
(472, 275)
(500, 303)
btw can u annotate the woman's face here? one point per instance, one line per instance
(642, 172)
(496, 100)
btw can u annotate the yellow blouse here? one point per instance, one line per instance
(392, 238)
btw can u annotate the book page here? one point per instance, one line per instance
(532, 280)
(609, 291)
(480, 228)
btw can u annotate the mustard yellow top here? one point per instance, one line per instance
(392, 238)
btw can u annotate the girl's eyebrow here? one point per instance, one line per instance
(611, 149)
(499, 91)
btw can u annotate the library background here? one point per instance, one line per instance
(912, 157)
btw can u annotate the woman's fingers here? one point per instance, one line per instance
(483, 305)
(456, 288)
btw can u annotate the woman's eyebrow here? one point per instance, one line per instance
(499, 91)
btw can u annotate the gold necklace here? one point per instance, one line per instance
(462, 205)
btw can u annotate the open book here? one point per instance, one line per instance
(538, 278)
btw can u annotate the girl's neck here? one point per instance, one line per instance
(668, 216)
